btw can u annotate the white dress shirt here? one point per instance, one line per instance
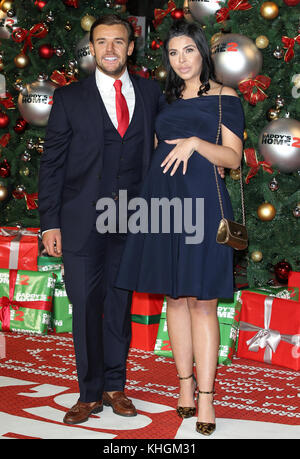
(105, 85)
(107, 91)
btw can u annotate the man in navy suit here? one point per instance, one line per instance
(99, 140)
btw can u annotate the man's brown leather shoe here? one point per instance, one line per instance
(81, 411)
(120, 403)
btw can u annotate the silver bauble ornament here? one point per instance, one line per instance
(86, 61)
(7, 25)
(279, 144)
(236, 58)
(35, 101)
(201, 9)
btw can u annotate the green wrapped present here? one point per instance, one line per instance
(61, 317)
(51, 264)
(26, 299)
(228, 312)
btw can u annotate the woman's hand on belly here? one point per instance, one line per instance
(183, 150)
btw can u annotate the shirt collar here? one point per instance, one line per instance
(106, 82)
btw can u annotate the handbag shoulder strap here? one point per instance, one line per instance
(215, 169)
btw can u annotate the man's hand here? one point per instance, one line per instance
(52, 242)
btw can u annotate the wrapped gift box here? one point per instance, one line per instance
(287, 293)
(228, 313)
(19, 248)
(269, 330)
(26, 299)
(294, 279)
(61, 317)
(145, 315)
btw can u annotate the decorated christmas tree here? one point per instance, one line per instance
(44, 44)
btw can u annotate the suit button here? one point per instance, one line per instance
(99, 177)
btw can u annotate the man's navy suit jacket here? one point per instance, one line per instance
(73, 156)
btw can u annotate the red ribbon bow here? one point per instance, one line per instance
(61, 78)
(223, 13)
(7, 101)
(160, 14)
(289, 44)
(4, 140)
(254, 164)
(137, 29)
(36, 31)
(29, 198)
(260, 83)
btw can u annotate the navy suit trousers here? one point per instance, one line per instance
(101, 315)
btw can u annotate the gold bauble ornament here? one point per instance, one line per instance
(256, 256)
(68, 26)
(269, 10)
(21, 61)
(3, 192)
(87, 22)
(160, 73)
(186, 12)
(235, 174)
(262, 42)
(266, 212)
(273, 114)
(6, 5)
(1, 66)
(245, 135)
(214, 38)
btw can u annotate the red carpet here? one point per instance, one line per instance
(38, 384)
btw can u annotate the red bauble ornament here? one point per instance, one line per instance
(177, 13)
(282, 270)
(291, 2)
(20, 126)
(120, 2)
(156, 44)
(40, 4)
(73, 3)
(4, 120)
(46, 51)
(4, 169)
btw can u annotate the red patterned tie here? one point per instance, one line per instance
(122, 109)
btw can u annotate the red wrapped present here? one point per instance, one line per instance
(145, 315)
(270, 330)
(19, 248)
(294, 279)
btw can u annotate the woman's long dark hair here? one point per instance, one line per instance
(174, 84)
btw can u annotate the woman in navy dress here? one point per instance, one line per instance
(191, 273)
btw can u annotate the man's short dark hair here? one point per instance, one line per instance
(113, 19)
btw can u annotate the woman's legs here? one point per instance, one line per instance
(205, 339)
(180, 334)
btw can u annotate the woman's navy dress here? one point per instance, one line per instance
(165, 263)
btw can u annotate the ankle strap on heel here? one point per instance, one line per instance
(186, 377)
(203, 392)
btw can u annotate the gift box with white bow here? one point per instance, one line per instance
(269, 330)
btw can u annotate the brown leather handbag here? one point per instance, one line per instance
(230, 232)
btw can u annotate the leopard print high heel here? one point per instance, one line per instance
(205, 428)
